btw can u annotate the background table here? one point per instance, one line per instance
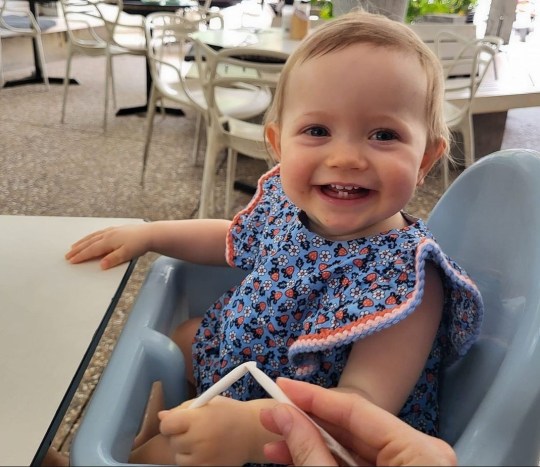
(52, 314)
(274, 39)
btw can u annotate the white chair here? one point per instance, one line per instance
(183, 82)
(464, 74)
(98, 38)
(173, 78)
(205, 13)
(21, 21)
(241, 69)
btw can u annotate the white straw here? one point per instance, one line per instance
(276, 393)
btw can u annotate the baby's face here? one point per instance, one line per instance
(352, 140)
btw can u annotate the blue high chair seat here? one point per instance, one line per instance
(488, 221)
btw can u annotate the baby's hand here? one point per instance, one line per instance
(218, 433)
(116, 244)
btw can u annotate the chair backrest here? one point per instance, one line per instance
(488, 221)
(86, 15)
(21, 19)
(168, 42)
(94, 23)
(467, 65)
(245, 69)
(466, 69)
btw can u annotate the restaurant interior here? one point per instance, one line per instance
(84, 156)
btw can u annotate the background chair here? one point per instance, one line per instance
(239, 69)
(490, 399)
(464, 74)
(98, 39)
(22, 22)
(168, 46)
(187, 82)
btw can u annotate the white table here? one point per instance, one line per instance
(274, 39)
(52, 315)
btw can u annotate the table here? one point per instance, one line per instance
(268, 39)
(52, 315)
(517, 85)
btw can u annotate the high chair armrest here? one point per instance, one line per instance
(172, 292)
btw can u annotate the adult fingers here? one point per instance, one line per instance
(304, 442)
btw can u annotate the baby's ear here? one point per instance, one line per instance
(273, 136)
(432, 154)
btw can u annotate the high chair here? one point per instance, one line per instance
(488, 221)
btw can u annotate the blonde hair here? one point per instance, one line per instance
(362, 27)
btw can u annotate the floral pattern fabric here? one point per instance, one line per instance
(306, 300)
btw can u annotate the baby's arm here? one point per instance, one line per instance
(385, 366)
(223, 432)
(196, 240)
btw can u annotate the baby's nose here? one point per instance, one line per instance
(347, 156)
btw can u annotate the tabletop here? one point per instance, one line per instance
(145, 7)
(52, 314)
(274, 39)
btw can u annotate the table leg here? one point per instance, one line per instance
(144, 108)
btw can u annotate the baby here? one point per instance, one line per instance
(344, 289)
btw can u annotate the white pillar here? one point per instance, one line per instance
(502, 14)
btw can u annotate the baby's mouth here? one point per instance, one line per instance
(344, 191)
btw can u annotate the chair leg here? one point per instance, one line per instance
(232, 157)
(1, 68)
(150, 113)
(66, 83)
(213, 148)
(107, 76)
(445, 170)
(113, 87)
(41, 56)
(467, 132)
(198, 135)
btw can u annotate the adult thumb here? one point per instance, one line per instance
(303, 439)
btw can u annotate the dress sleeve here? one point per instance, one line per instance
(386, 296)
(250, 225)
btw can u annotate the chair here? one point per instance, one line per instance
(92, 27)
(490, 399)
(464, 74)
(168, 44)
(22, 22)
(245, 68)
(184, 81)
(204, 13)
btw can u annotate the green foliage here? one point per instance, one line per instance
(426, 7)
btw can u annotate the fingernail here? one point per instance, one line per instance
(282, 417)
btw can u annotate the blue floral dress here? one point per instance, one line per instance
(307, 299)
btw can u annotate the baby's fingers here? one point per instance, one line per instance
(84, 243)
(90, 237)
(174, 422)
(115, 258)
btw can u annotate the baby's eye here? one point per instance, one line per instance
(317, 131)
(384, 135)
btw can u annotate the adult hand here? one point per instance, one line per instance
(373, 435)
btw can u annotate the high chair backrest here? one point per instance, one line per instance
(489, 221)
